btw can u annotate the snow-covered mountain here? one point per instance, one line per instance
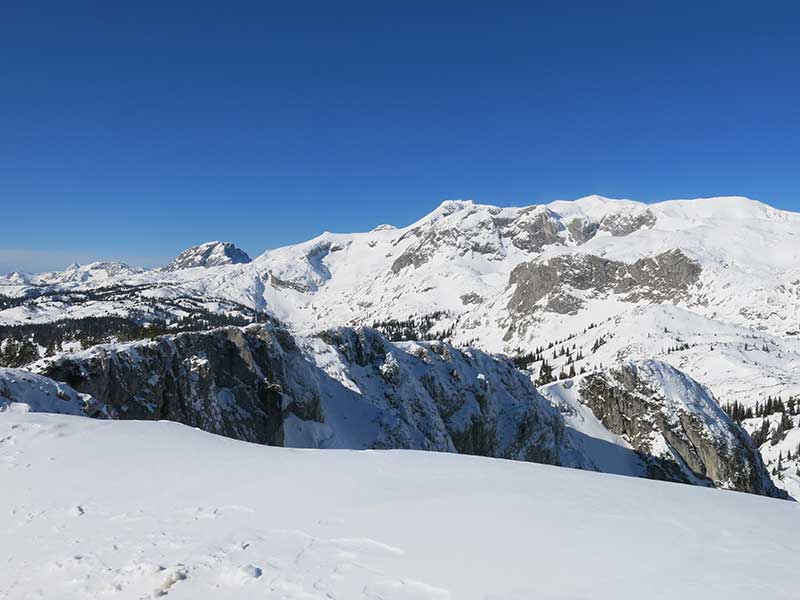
(495, 272)
(709, 286)
(210, 254)
(463, 254)
(130, 509)
(75, 275)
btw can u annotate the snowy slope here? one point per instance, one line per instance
(22, 391)
(459, 259)
(736, 363)
(109, 509)
(781, 454)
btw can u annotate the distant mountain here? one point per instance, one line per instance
(709, 286)
(92, 274)
(210, 254)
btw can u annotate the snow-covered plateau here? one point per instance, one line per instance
(132, 509)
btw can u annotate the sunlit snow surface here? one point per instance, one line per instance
(123, 509)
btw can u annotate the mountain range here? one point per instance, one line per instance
(656, 340)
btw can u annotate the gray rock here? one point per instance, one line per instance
(534, 229)
(531, 230)
(210, 254)
(582, 230)
(677, 425)
(254, 383)
(664, 277)
(227, 382)
(626, 222)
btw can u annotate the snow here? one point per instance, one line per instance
(716, 356)
(96, 509)
(610, 453)
(22, 391)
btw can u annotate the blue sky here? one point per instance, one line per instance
(133, 130)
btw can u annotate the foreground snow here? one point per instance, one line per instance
(96, 509)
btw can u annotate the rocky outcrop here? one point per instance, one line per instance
(476, 403)
(210, 254)
(581, 230)
(533, 229)
(625, 222)
(448, 238)
(677, 425)
(664, 277)
(226, 381)
(479, 232)
(348, 388)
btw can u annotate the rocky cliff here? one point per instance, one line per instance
(346, 388)
(672, 422)
(351, 388)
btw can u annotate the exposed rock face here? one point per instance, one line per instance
(582, 230)
(349, 388)
(225, 382)
(660, 278)
(487, 233)
(533, 229)
(670, 418)
(210, 254)
(479, 404)
(626, 222)
(448, 237)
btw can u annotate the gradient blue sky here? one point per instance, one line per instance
(133, 130)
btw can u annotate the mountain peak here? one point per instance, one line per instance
(209, 254)
(451, 206)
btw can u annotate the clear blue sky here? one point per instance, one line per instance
(132, 130)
